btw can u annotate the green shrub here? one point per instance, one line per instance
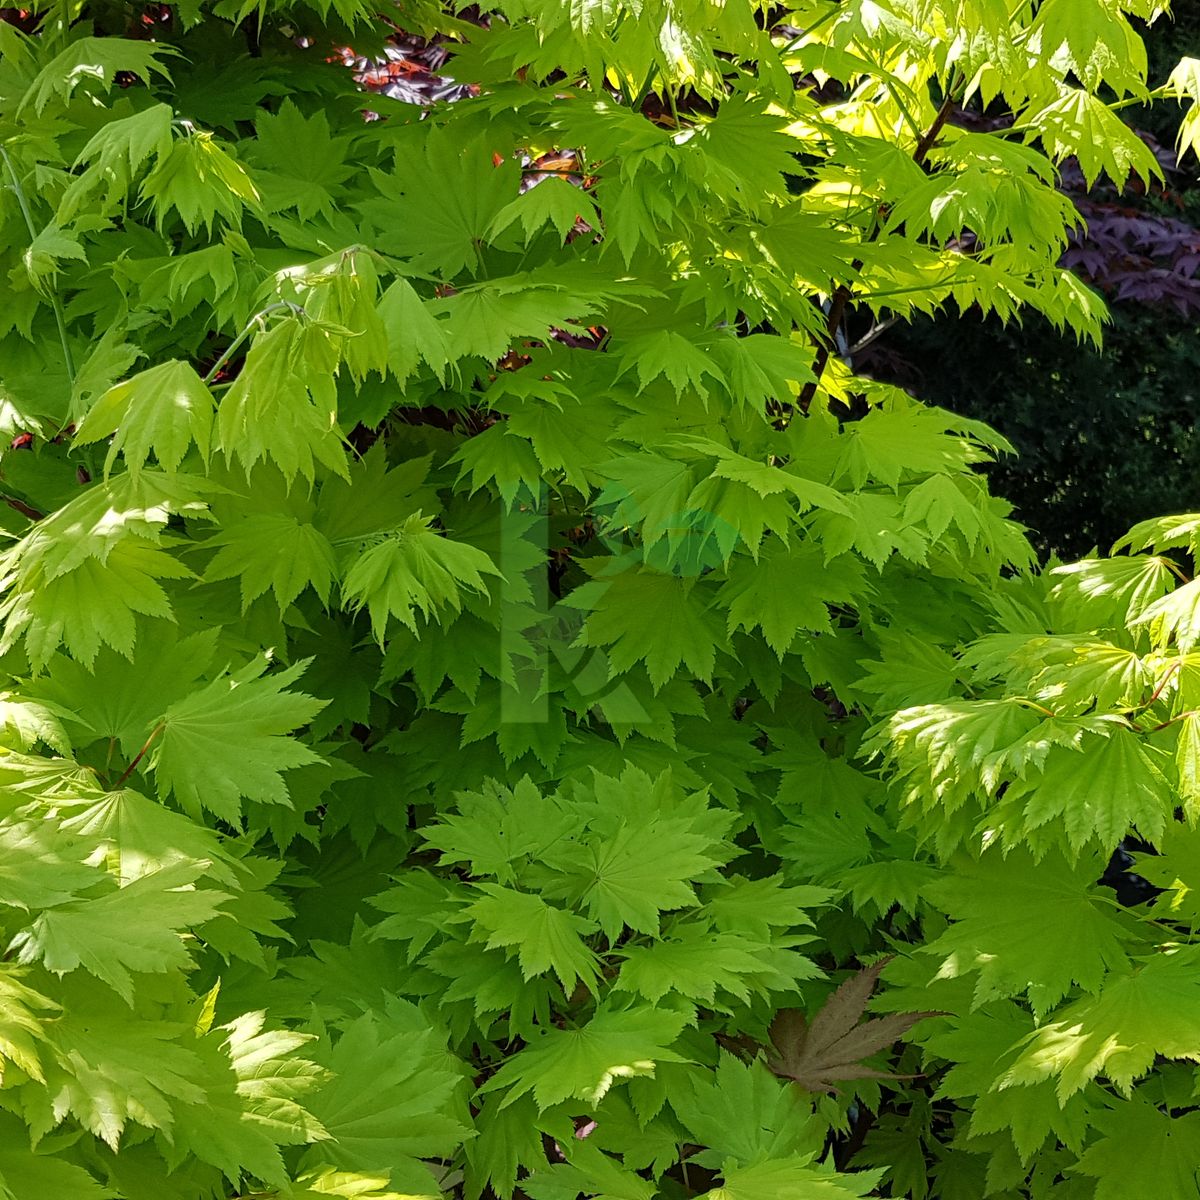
(443, 615)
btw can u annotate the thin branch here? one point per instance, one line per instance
(237, 342)
(140, 754)
(52, 296)
(842, 295)
(876, 331)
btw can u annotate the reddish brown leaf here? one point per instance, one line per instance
(831, 1047)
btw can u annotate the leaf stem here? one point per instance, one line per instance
(52, 296)
(1175, 570)
(1191, 712)
(237, 342)
(140, 754)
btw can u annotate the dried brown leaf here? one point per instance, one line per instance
(831, 1047)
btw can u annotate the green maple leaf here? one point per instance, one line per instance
(116, 153)
(289, 177)
(413, 570)
(1081, 124)
(273, 551)
(283, 404)
(387, 1102)
(253, 1082)
(636, 864)
(556, 202)
(134, 928)
(163, 410)
(498, 830)
(1029, 1115)
(696, 962)
(162, 668)
(788, 590)
(486, 318)
(1175, 867)
(745, 151)
(26, 722)
(374, 498)
(647, 616)
(43, 256)
(911, 671)
(584, 1063)
(413, 332)
(673, 356)
(441, 204)
(742, 1113)
(1141, 1147)
(793, 1178)
(1174, 616)
(501, 457)
(759, 907)
(1112, 783)
(110, 1069)
(761, 368)
(91, 606)
(562, 430)
(1152, 1009)
(547, 938)
(648, 491)
(97, 59)
(200, 181)
(1102, 593)
(1094, 674)
(24, 1013)
(25, 1175)
(875, 526)
(330, 1184)
(507, 1138)
(1026, 925)
(891, 442)
(945, 500)
(229, 740)
(39, 869)
(141, 836)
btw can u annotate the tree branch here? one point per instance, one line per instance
(842, 294)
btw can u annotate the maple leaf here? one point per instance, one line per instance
(584, 1063)
(388, 1101)
(305, 181)
(414, 570)
(162, 410)
(1027, 925)
(134, 928)
(229, 740)
(793, 1178)
(556, 202)
(26, 1175)
(548, 938)
(98, 59)
(199, 180)
(253, 1080)
(1142, 1147)
(273, 551)
(622, 609)
(283, 404)
(1148, 1010)
(831, 1047)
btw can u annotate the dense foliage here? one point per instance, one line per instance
(452, 621)
(1140, 248)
